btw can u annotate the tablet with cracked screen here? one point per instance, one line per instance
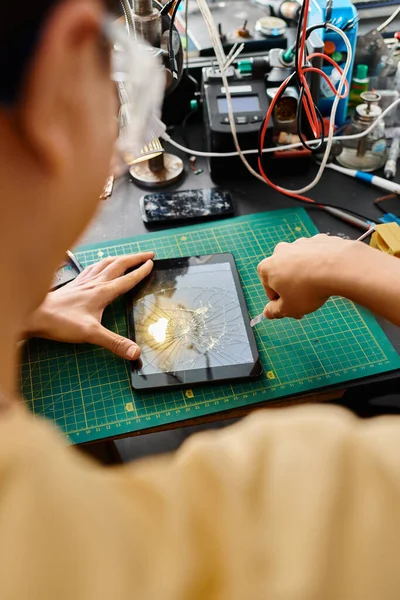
(191, 321)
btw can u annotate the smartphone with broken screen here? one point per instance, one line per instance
(190, 318)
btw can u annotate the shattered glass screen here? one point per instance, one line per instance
(190, 318)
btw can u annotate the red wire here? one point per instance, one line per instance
(328, 81)
(307, 102)
(336, 66)
(309, 108)
(262, 139)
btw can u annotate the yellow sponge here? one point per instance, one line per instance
(386, 238)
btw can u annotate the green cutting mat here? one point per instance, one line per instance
(86, 390)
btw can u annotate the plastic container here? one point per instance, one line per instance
(344, 15)
(325, 89)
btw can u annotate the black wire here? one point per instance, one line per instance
(188, 116)
(322, 205)
(300, 107)
(172, 59)
(260, 145)
(183, 126)
(301, 87)
(299, 115)
(167, 8)
(298, 39)
(315, 204)
(308, 32)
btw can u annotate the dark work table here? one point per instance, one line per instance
(119, 217)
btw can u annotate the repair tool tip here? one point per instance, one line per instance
(257, 319)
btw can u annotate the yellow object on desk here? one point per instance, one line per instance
(386, 238)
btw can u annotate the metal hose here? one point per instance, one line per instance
(128, 14)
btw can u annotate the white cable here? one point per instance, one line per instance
(221, 59)
(167, 138)
(232, 50)
(233, 57)
(215, 38)
(354, 136)
(389, 20)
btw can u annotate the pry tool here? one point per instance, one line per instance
(261, 317)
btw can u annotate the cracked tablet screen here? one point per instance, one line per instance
(190, 318)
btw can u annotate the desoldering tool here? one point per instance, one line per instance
(262, 317)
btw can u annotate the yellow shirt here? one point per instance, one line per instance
(299, 503)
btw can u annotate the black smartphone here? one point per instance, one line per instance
(164, 207)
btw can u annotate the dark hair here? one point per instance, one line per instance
(21, 22)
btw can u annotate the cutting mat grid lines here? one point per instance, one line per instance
(86, 390)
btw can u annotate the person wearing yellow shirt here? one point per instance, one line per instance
(295, 504)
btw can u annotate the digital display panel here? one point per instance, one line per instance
(240, 104)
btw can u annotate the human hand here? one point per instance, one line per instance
(300, 277)
(73, 313)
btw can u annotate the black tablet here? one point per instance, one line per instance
(191, 321)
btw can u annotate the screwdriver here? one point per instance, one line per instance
(261, 317)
